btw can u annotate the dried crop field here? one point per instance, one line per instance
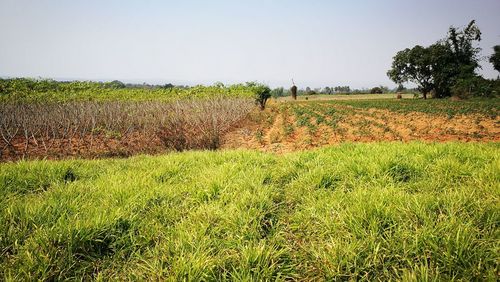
(115, 128)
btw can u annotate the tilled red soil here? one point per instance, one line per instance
(279, 131)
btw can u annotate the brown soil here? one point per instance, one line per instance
(96, 146)
(358, 125)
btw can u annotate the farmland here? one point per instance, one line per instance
(249, 141)
(47, 119)
(375, 211)
(22, 90)
(99, 129)
(84, 119)
(210, 187)
(290, 126)
(341, 97)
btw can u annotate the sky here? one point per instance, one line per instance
(317, 43)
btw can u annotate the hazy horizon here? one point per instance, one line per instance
(317, 43)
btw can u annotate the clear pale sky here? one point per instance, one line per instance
(318, 43)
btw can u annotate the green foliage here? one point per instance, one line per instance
(310, 91)
(278, 92)
(342, 89)
(327, 90)
(376, 90)
(487, 107)
(414, 65)
(30, 90)
(116, 84)
(261, 92)
(475, 86)
(461, 43)
(495, 58)
(438, 67)
(385, 211)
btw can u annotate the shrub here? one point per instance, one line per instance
(475, 86)
(262, 93)
(376, 90)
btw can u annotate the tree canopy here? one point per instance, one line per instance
(441, 65)
(413, 65)
(495, 58)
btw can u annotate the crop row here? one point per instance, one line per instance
(353, 121)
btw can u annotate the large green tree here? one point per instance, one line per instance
(414, 65)
(438, 67)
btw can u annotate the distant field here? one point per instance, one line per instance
(300, 125)
(380, 211)
(486, 107)
(346, 97)
(12, 92)
(123, 128)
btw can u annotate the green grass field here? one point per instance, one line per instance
(483, 106)
(375, 211)
(339, 97)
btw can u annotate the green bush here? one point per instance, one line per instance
(261, 92)
(376, 90)
(476, 87)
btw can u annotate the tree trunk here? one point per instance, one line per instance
(262, 104)
(425, 95)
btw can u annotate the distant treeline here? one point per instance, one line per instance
(41, 85)
(281, 92)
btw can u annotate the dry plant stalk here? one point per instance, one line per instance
(180, 125)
